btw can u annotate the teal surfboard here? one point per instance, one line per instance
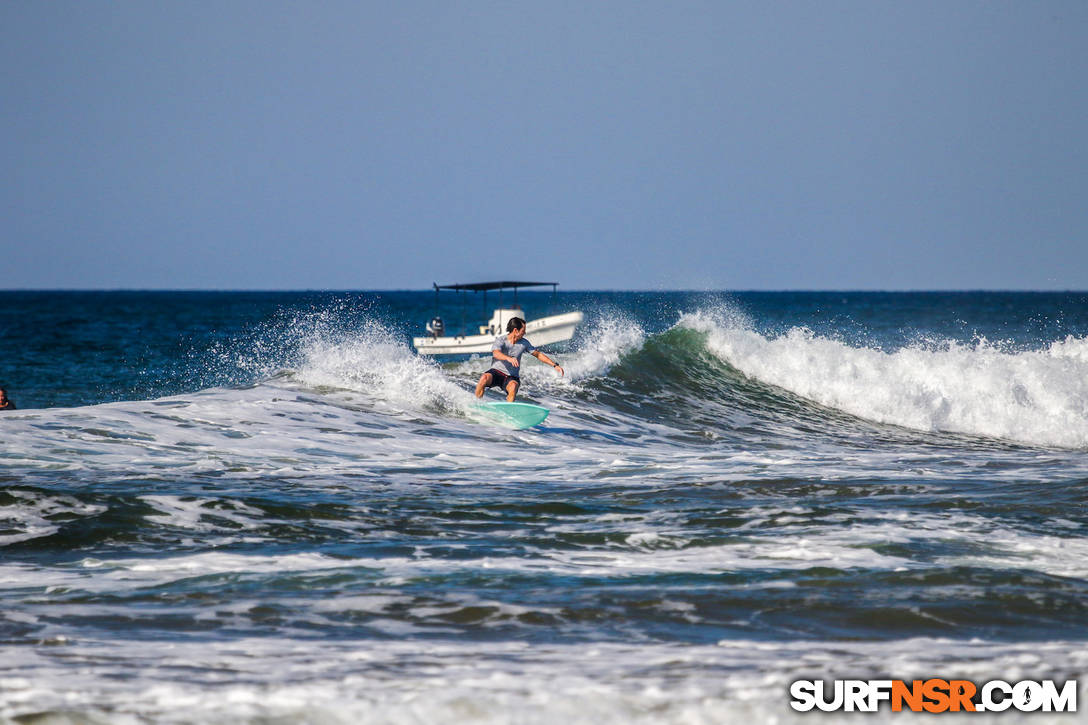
(513, 415)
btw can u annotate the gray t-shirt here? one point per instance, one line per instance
(502, 344)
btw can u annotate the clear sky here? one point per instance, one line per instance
(605, 145)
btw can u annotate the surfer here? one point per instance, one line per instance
(505, 372)
(5, 402)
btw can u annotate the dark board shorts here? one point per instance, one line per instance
(500, 379)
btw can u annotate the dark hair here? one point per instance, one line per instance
(515, 323)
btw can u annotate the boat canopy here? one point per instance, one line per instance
(484, 286)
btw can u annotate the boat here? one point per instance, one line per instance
(541, 331)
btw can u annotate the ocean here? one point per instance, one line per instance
(238, 507)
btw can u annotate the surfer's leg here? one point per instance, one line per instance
(485, 381)
(511, 391)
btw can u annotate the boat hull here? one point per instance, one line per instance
(541, 332)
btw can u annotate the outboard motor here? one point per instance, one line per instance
(436, 327)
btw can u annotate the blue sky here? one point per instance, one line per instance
(606, 145)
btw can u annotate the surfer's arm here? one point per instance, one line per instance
(500, 355)
(545, 359)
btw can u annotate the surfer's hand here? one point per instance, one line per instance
(560, 369)
(514, 361)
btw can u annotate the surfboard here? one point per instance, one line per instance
(513, 415)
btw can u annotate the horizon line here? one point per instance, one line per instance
(331, 290)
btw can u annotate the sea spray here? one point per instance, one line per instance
(1038, 397)
(336, 346)
(374, 361)
(609, 336)
(278, 344)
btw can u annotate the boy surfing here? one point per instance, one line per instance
(505, 372)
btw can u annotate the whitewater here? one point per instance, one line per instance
(252, 507)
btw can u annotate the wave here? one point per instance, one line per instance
(337, 349)
(1038, 397)
(605, 342)
(708, 374)
(713, 367)
(374, 361)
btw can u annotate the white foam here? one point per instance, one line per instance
(1038, 396)
(31, 517)
(376, 362)
(404, 681)
(198, 513)
(264, 429)
(1054, 555)
(603, 344)
(278, 431)
(644, 552)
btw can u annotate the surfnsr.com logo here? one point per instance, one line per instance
(933, 695)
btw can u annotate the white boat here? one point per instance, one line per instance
(541, 331)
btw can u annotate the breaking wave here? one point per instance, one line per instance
(1039, 397)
